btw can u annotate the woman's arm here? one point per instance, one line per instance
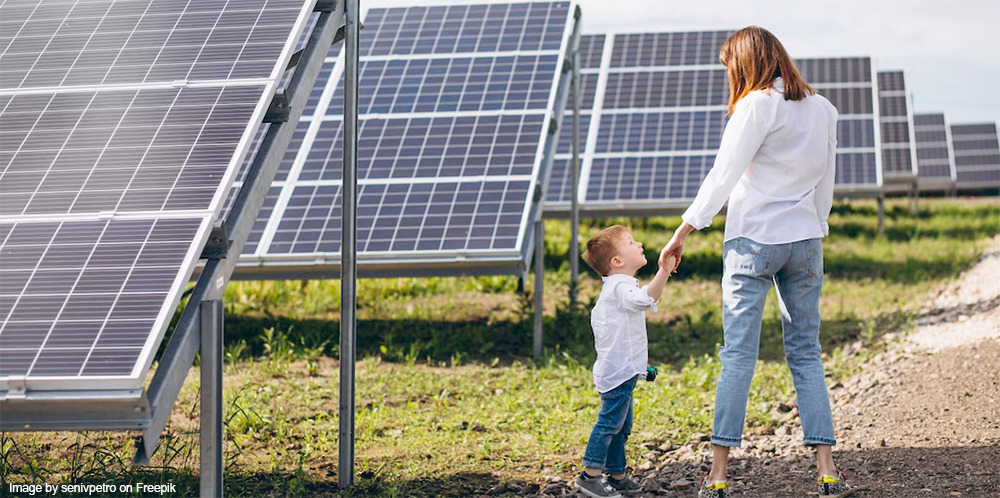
(824, 190)
(748, 126)
(675, 247)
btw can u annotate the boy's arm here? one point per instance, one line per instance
(655, 286)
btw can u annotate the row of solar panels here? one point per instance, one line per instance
(449, 137)
(654, 106)
(123, 126)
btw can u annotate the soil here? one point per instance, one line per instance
(922, 419)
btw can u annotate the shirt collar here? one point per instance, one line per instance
(620, 277)
(778, 84)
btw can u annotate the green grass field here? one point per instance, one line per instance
(449, 400)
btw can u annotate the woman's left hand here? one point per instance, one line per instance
(675, 247)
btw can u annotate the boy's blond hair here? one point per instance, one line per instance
(601, 248)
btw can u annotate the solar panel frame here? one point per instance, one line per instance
(265, 263)
(633, 96)
(935, 159)
(977, 156)
(203, 214)
(899, 151)
(845, 80)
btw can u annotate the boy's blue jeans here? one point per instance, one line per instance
(606, 446)
(749, 269)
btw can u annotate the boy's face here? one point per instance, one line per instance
(629, 257)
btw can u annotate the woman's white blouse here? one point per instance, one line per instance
(776, 166)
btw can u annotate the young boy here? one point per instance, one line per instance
(619, 324)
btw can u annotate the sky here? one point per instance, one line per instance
(949, 50)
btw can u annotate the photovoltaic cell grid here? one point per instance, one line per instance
(848, 84)
(896, 121)
(660, 112)
(121, 124)
(661, 119)
(60, 43)
(935, 163)
(656, 123)
(454, 104)
(591, 50)
(977, 156)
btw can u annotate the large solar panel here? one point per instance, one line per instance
(591, 49)
(657, 113)
(850, 85)
(896, 121)
(122, 124)
(657, 116)
(977, 156)
(455, 110)
(935, 161)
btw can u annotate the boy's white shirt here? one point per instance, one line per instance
(619, 324)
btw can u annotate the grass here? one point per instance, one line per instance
(448, 401)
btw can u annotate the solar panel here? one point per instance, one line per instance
(935, 162)
(977, 156)
(660, 103)
(591, 50)
(455, 110)
(121, 128)
(896, 121)
(849, 83)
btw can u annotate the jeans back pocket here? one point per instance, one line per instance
(746, 256)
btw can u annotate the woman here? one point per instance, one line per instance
(776, 167)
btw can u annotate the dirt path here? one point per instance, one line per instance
(922, 418)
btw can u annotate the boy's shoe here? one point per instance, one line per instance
(717, 489)
(626, 486)
(598, 486)
(834, 486)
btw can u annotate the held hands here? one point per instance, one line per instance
(668, 262)
(670, 256)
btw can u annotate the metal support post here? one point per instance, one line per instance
(348, 248)
(574, 231)
(211, 398)
(539, 285)
(881, 213)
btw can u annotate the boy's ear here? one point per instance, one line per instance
(616, 261)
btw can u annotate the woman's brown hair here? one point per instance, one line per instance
(754, 58)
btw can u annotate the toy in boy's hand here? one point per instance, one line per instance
(651, 374)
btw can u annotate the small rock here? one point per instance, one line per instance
(650, 485)
(498, 489)
(681, 483)
(554, 488)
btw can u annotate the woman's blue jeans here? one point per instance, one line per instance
(749, 270)
(606, 446)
